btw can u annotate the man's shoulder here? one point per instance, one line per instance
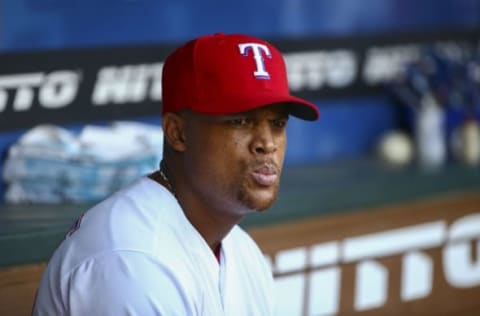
(131, 220)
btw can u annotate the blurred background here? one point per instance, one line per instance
(397, 83)
(343, 55)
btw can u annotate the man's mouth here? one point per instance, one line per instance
(265, 175)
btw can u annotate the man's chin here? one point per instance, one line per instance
(261, 201)
(255, 198)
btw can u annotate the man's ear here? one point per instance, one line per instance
(174, 130)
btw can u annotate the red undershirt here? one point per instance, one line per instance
(217, 252)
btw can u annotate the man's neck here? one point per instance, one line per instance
(212, 224)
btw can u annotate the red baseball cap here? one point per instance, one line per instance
(226, 74)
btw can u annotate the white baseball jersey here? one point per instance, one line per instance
(137, 254)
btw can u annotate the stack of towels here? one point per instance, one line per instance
(50, 164)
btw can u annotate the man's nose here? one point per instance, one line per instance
(264, 141)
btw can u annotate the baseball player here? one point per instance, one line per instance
(169, 244)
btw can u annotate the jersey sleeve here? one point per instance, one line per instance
(126, 283)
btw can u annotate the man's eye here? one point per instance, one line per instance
(280, 122)
(239, 121)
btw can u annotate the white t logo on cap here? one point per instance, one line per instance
(260, 72)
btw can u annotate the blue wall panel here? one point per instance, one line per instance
(43, 24)
(346, 128)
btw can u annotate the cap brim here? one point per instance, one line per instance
(297, 107)
(303, 109)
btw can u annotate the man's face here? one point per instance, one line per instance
(234, 162)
